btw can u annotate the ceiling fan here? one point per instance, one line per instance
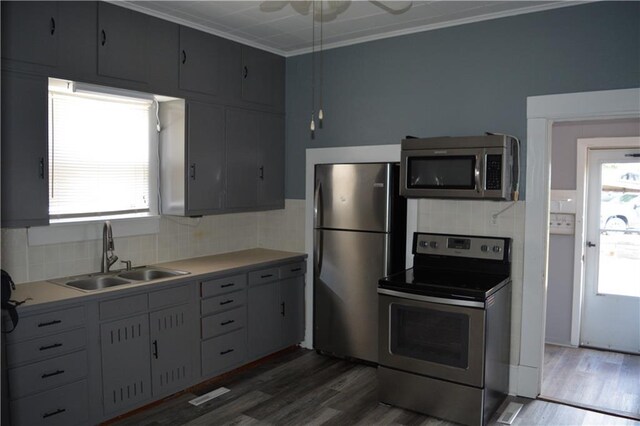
(328, 10)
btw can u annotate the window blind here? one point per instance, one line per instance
(98, 155)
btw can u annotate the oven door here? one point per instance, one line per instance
(439, 340)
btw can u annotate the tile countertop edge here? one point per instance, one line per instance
(44, 294)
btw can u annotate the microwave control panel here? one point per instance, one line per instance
(494, 172)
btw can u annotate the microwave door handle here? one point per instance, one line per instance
(477, 174)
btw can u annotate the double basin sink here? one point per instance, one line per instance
(92, 282)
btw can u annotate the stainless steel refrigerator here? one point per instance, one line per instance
(359, 237)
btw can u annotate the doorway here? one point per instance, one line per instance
(598, 367)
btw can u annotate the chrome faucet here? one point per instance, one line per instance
(108, 257)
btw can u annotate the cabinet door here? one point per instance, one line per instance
(173, 343)
(24, 150)
(200, 61)
(260, 76)
(292, 310)
(30, 31)
(122, 43)
(242, 158)
(77, 27)
(126, 376)
(205, 159)
(163, 48)
(271, 161)
(265, 321)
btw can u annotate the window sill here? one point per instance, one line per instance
(66, 232)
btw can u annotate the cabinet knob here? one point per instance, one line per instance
(41, 168)
(53, 25)
(245, 73)
(184, 57)
(262, 172)
(192, 172)
(104, 37)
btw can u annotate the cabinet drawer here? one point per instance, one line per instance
(64, 406)
(168, 297)
(263, 276)
(293, 270)
(222, 353)
(223, 302)
(224, 322)
(123, 307)
(223, 285)
(46, 347)
(47, 374)
(48, 323)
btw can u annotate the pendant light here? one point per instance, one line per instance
(312, 126)
(320, 112)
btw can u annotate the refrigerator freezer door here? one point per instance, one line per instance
(353, 196)
(347, 266)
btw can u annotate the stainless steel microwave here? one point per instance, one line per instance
(478, 167)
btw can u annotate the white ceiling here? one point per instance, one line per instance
(288, 33)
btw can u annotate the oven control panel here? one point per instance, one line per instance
(461, 246)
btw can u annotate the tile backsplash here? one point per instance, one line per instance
(179, 238)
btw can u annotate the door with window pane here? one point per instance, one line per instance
(611, 305)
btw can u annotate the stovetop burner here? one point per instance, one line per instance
(454, 266)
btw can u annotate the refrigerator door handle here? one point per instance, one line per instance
(317, 252)
(318, 206)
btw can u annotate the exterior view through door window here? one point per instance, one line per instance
(620, 229)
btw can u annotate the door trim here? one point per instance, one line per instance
(542, 112)
(582, 155)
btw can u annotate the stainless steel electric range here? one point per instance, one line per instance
(445, 328)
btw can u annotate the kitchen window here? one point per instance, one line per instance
(102, 147)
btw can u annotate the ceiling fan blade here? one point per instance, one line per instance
(273, 5)
(302, 7)
(393, 7)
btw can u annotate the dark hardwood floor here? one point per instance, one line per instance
(590, 378)
(300, 387)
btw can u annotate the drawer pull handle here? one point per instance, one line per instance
(228, 351)
(53, 413)
(46, 324)
(266, 276)
(296, 270)
(55, 373)
(55, 345)
(227, 322)
(226, 302)
(227, 285)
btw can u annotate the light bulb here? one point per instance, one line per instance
(313, 124)
(320, 115)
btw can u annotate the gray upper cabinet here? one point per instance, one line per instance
(122, 39)
(77, 56)
(205, 159)
(271, 161)
(200, 59)
(262, 77)
(242, 158)
(164, 44)
(25, 180)
(255, 159)
(30, 32)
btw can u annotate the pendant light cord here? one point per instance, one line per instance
(312, 126)
(321, 112)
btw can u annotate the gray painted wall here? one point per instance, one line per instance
(561, 247)
(461, 80)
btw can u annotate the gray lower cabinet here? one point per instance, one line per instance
(48, 369)
(255, 159)
(126, 376)
(276, 309)
(149, 355)
(25, 179)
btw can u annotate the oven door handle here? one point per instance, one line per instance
(441, 300)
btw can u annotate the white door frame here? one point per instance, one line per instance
(582, 155)
(542, 112)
